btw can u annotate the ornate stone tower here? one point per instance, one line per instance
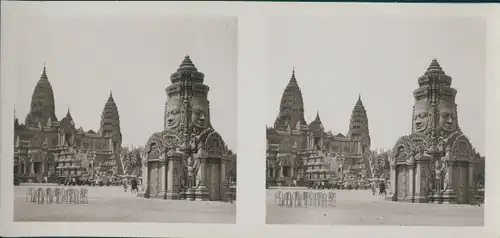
(435, 110)
(436, 162)
(187, 159)
(291, 106)
(42, 103)
(358, 126)
(318, 132)
(110, 127)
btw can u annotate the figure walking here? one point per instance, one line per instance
(382, 188)
(135, 189)
(125, 185)
(374, 188)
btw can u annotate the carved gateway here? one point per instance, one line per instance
(462, 150)
(286, 160)
(401, 151)
(214, 145)
(161, 142)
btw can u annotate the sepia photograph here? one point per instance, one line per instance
(123, 118)
(376, 121)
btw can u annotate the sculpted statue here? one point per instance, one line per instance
(447, 116)
(162, 156)
(192, 169)
(447, 155)
(411, 157)
(172, 113)
(420, 116)
(199, 113)
(192, 142)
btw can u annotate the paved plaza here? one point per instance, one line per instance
(112, 204)
(360, 207)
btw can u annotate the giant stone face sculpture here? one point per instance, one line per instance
(172, 113)
(421, 116)
(199, 113)
(447, 116)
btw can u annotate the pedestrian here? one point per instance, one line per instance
(374, 188)
(125, 185)
(134, 186)
(382, 188)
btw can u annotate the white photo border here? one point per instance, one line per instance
(252, 77)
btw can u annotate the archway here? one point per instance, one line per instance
(215, 170)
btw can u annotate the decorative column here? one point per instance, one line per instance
(223, 183)
(32, 168)
(421, 179)
(201, 192)
(411, 179)
(145, 175)
(163, 175)
(470, 181)
(449, 195)
(173, 175)
(392, 193)
(20, 168)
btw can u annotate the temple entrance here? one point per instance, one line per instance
(461, 184)
(213, 179)
(287, 171)
(37, 167)
(401, 183)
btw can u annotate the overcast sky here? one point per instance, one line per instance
(336, 59)
(87, 56)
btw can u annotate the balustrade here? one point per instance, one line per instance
(57, 195)
(295, 199)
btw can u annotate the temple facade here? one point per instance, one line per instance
(47, 147)
(188, 159)
(301, 153)
(436, 162)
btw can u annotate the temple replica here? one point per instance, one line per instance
(303, 153)
(436, 162)
(188, 159)
(47, 147)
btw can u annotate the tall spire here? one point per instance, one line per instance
(68, 113)
(187, 71)
(44, 73)
(358, 125)
(293, 79)
(291, 106)
(359, 102)
(42, 102)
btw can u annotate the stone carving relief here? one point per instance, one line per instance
(462, 149)
(401, 151)
(172, 143)
(447, 116)
(214, 145)
(199, 113)
(421, 116)
(173, 113)
(191, 166)
(153, 151)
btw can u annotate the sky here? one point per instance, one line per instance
(87, 56)
(337, 59)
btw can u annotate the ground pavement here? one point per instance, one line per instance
(112, 204)
(360, 207)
